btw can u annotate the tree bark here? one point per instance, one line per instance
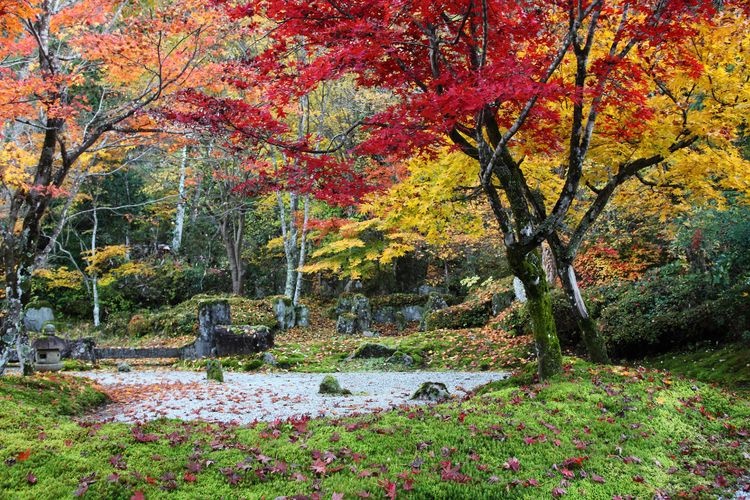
(179, 221)
(94, 277)
(528, 268)
(594, 341)
(233, 235)
(302, 253)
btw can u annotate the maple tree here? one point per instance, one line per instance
(514, 85)
(78, 78)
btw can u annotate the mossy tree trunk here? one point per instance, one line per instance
(528, 268)
(595, 345)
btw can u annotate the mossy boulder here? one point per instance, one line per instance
(182, 319)
(400, 358)
(214, 370)
(431, 391)
(330, 385)
(369, 350)
(355, 315)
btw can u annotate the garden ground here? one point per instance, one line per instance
(592, 432)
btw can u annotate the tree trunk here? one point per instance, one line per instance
(94, 278)
(528, 268)
(179, 221)
(289, 237)
(233, 235)
(548, 262)
(594, 341)
(595, 345)
(302, 252)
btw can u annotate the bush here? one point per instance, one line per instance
(467, 315)
(477, 309)
(668, 309)
(398, 300)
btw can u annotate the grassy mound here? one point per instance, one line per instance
(592, 432)
(182, 319)
(727, 365)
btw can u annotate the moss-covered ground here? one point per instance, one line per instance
(727, 365)
(592, 432)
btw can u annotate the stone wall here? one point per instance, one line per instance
(138, 353)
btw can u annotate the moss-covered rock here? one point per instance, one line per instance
(330, 385)
(398, 300)
(370, 350)
(357, 318)
(431, 391)
(182, 319)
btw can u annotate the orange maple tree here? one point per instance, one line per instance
(79, 79)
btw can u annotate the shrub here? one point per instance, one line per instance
(398, 300)
(467, 315)
(668, 310)
(477, 308)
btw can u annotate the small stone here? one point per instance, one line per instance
(401, 359)
(330, 385)
(269, 359)
(431, 391)
(214, 371)
(123, 367)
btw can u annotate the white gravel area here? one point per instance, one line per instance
(246, 397)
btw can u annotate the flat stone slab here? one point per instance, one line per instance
(140, 396)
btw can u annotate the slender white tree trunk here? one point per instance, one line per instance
(180, 215)
(302, 252)
(94, 277)
(289, 237)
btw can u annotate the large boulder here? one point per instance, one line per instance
(83, 349)
(369, 350)
(243, 339)
(302, 313)
(35, 318)
(211, 313)
(354, 314)
(286, 313)
(435, 302)
(346, 324)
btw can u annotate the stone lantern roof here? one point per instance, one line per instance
(49, 343)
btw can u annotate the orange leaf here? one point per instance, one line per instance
(24, 455)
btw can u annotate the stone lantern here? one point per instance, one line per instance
(48, 350)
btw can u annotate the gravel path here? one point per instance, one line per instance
(245, 397)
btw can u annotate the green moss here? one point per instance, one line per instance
(182, 319)
(214, 371)
(727, 365)
(330, 385)
(398, 300)
(643, 433)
